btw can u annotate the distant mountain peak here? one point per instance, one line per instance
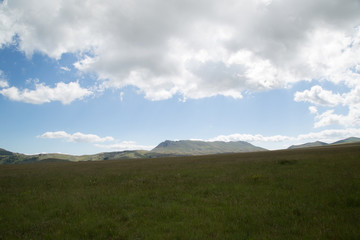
(196, 147)
(319, 143)
(5, 152)
(348, 140)
(310, 144)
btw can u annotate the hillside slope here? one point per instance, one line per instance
(319, 144)
(311, 144)
(7, 157)
(4, 152)
(348, 140)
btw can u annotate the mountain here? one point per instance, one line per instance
(311, 144)
(188, 147)
(117, 155)
(7, 157)
(164, 149)
(4, 152)
(348, 140)
(319, 144)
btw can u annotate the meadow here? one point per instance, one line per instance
(291, 194)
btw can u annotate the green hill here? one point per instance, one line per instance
(319, 144)
(165, 149)
(348, 140)
(188, 147)
(305, 145)
(4, 152)
(7, 157)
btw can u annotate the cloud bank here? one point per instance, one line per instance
(76, 137)
(329, 136)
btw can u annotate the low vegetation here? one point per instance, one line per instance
(311, 193)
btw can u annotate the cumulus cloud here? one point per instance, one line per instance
(124, 145)
(193, 48)
(63, 92)
(317, 95)
(79, 137)
(76, 137)
(328, 118)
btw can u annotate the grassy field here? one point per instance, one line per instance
(295, 194)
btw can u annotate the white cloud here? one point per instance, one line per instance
(313, 109)
(92, 138)
(329, 136)
(65, 69)
(63, 92)
(76, 137)
(124, 145)
(328, 118)
(317, 95)
(121, 96)
(249, 138)
(193, 48)
(3, 84)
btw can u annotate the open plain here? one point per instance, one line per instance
(311, 193)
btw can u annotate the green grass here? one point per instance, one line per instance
(298, 194)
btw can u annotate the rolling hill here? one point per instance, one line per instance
(348, 140)
(7, 157)
(311, 144)
(165, 149)
(319, 144)
(4, 152)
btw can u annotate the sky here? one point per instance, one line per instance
(83, 77)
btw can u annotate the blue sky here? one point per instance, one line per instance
(90, 77)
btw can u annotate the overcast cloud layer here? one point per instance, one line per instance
(196, 49)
